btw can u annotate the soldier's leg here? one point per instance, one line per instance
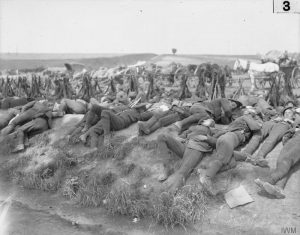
(258, 137)
(144, 127)
(18, 120)
(183, 124)
(31, 128)
(190, 160)
(111, 121)
(225, 146)
(167, 142)
(288, 157)
(92, 116)
(162, 122)
(275, 136)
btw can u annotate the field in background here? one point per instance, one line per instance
(21, 61)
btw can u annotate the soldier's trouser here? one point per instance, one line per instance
(31, 128)
(191, 153)
(169, 119)
(190, 157)
(223, 156)
(272, 133)
(275, 136)
(27, 116)
(93, 115)
(288, 157)
(72, 106)
(258, 137)
(166, 142)
(110, 121)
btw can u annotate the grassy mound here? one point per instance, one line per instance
(121, 177)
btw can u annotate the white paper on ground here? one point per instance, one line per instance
(237, 197)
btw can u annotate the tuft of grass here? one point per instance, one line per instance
(92, 190)
(127, 201)
(35, 181)
(186, 207)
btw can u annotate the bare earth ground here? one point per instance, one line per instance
(37, 212)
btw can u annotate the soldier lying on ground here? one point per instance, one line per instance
(163, 117)
(260, 105)
(288, 157)
(270, 135)
(194, 150)
(225, 141)
(114, 122)
(221, 111)
(35, 126)
(29, 112)
(33, 121)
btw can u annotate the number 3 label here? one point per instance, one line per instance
(286, 6)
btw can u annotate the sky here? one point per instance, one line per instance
(139, 26)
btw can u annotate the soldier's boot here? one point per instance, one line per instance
(270, 189)
(155, 127)
(206, 178)
(145, 126)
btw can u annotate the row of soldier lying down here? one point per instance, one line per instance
(250, 120)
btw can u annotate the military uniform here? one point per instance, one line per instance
(288, 157)
(162, 119)
(272, 132)
(219, 109)
(29, 112)
(35, 126)
(226, 141)
(114, 122)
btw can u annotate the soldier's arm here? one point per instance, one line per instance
(28, 106)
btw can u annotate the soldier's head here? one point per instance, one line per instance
(290, 103)
(288, 113)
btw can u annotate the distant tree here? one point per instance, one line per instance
(174, 50)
